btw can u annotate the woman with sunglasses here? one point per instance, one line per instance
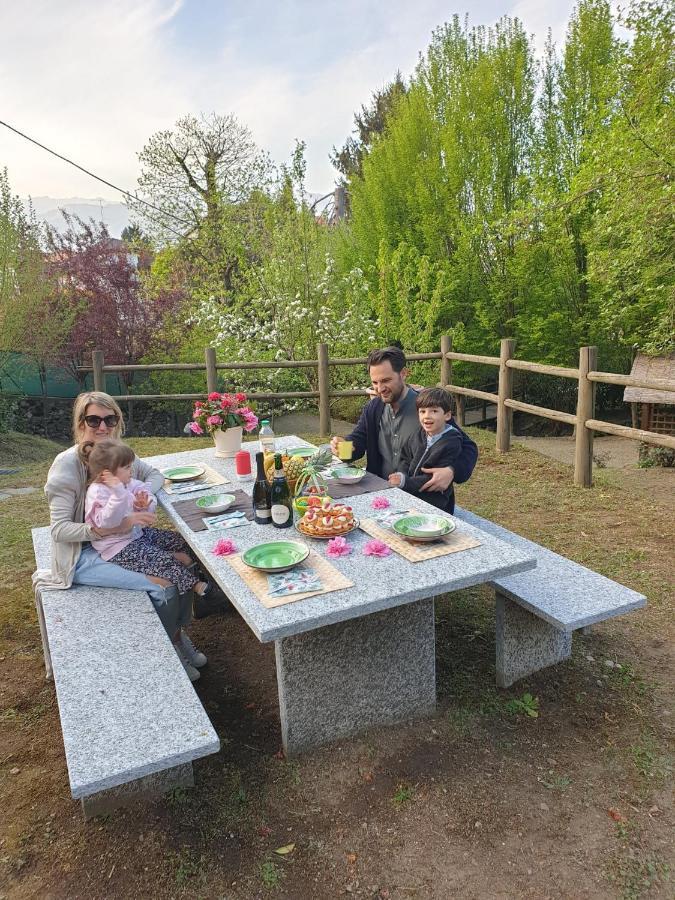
(97, 417)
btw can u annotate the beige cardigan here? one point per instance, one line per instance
(66, 490)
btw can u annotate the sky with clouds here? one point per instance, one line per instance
(95, 80)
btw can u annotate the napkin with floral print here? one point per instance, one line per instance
(387, 517)
(297, 581)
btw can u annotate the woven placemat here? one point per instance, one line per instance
(193, 516)
(418, 552)
(331, 579)
(209, 477)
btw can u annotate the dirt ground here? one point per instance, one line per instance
(560, 787)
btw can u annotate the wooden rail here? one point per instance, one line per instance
(583, 420)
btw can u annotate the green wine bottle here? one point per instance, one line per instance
(262, 494)
(282, 502)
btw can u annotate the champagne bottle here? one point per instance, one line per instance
(282, 503)
(262, 493)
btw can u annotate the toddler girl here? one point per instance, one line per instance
(112, 495)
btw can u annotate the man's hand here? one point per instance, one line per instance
(108, 479)
(440, 480)
(141, 500)
(335, 440)
(395, 479)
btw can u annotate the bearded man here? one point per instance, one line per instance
(390, 419)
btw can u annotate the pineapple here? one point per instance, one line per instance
(301, 473)
(310, 472)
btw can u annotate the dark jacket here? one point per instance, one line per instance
(445, 452)
(365, 438)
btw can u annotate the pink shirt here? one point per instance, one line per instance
(106, 507)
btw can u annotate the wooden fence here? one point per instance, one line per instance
(586, 376)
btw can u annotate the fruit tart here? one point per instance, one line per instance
(326, 519)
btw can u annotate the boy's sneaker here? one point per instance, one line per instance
(195, 657)
(192, 673)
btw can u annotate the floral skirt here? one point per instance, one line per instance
(153, 554)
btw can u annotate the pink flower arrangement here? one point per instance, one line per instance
(224, 547)
(222, 411)
(338, 546)
(380, 503)
(376, 548)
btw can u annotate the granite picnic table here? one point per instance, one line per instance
(356, 657)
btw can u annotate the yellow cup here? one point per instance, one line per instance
(345, 450)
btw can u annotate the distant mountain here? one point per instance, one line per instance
(114, 215)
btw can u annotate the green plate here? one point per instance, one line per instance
(304, 452)
(276, 556)
(423, 527)
(183, 473)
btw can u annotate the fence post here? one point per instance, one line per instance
(324, 389)
(459, 410)
(506, 351)
(99, 374)
(446, 364)
(583, 450)
(211, 371)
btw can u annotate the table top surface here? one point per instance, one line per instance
(379, 583)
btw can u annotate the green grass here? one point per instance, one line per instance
(19, 449)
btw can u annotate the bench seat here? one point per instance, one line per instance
(538, 610)
(131, 720)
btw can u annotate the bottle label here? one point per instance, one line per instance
(263, 513)
(280, 514)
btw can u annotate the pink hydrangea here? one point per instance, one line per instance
(214, 420)
(224, 547)
(227, 401)
(338, 546)
(380, 503)
(240, 398)
(214, 395)
(376, 548)
(196, 428)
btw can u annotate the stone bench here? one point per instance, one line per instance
(131, 720)
(537, 611)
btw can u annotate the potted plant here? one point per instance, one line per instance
(224, 417)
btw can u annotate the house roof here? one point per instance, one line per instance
(651, 368)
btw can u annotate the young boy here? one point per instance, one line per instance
(438, 442)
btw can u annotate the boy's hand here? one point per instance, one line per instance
(110, 480)
(141, 500)
(395, 479)
(440, 480)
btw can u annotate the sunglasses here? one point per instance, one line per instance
(95, 421)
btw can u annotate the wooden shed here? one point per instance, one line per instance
(653, 410)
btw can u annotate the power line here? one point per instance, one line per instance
(98, 178)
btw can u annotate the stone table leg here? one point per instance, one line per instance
(342, 679)
(525, 643)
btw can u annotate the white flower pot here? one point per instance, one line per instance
(228, 442)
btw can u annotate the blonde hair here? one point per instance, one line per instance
(108, 454)
(82, 401)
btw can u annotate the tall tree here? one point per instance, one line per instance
(368, 124)
(196, 176)
(98, 280)
(31, 322)
(631, 172)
